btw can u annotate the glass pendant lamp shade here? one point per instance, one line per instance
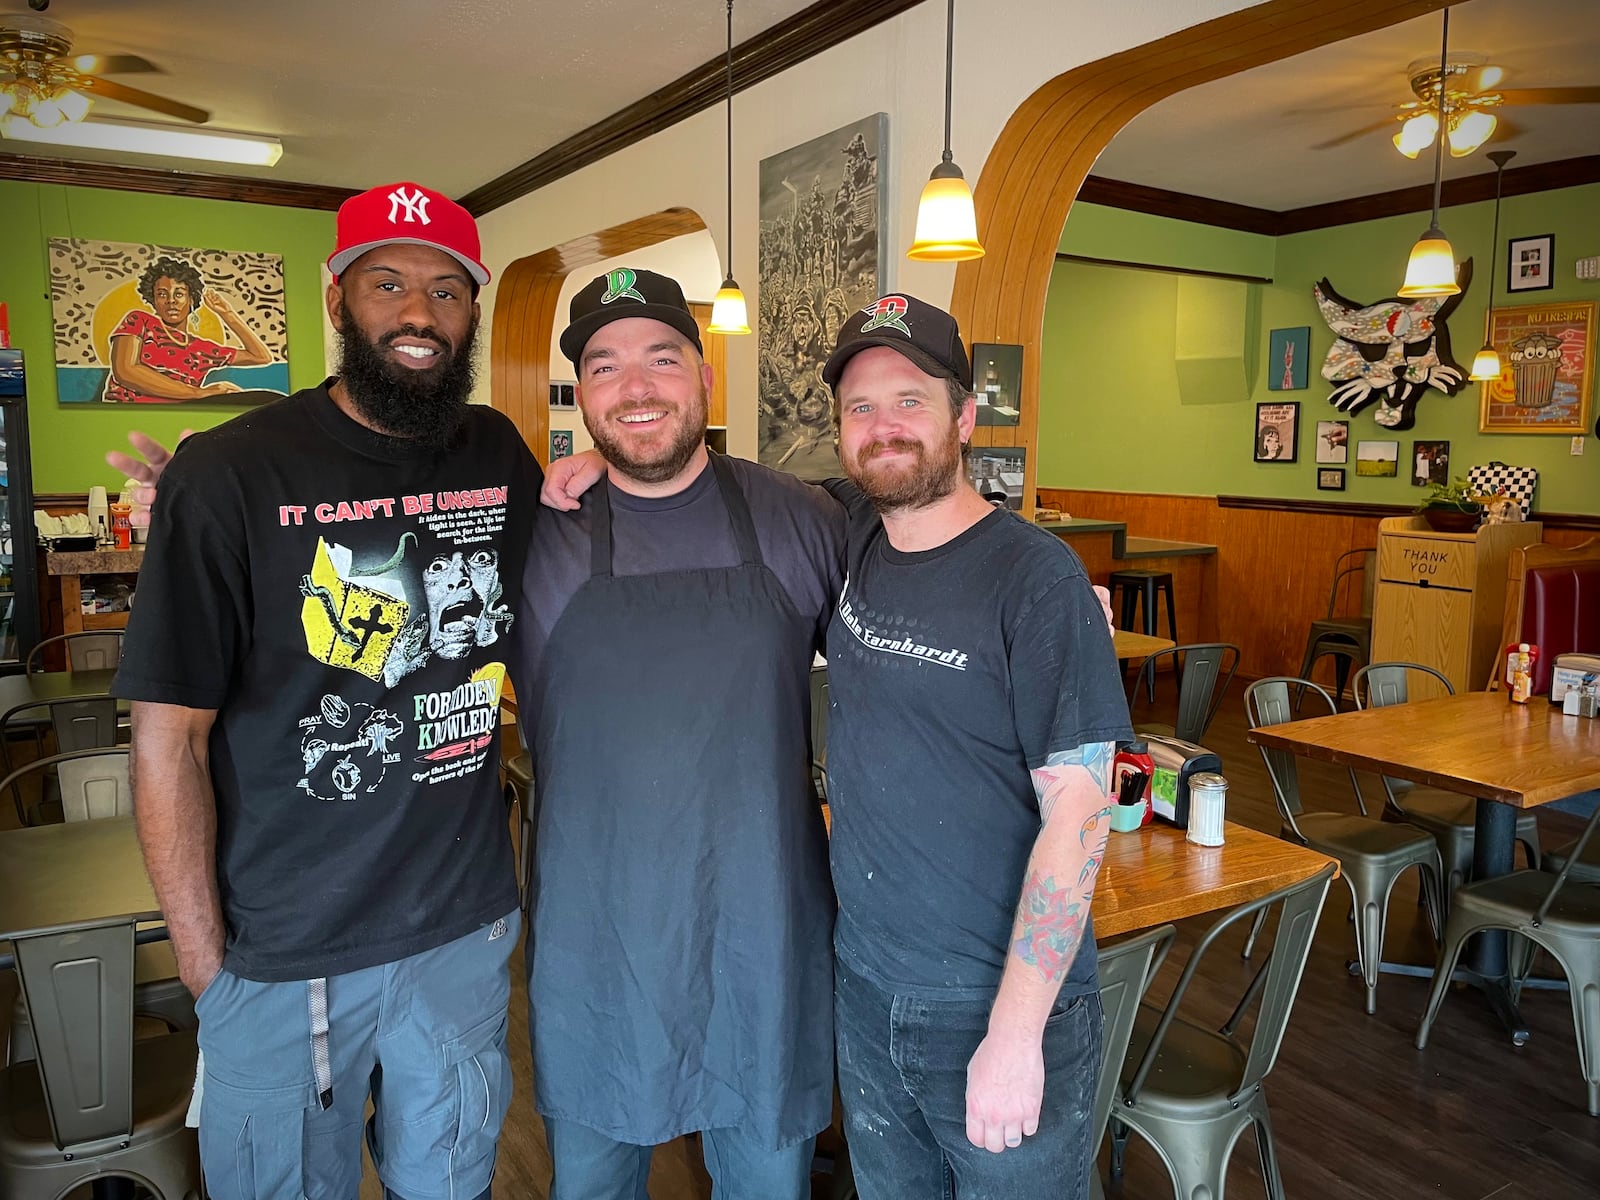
(1469, 131)
(1431, 270)
(947, 222)
(1417, 134)
(1485, 365)
(728, 312)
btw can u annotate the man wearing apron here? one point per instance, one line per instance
(680, 962)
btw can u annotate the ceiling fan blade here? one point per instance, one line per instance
(1556, 95)
(1505, 129)
(1355, 134)
(111, 64)
(105, 89)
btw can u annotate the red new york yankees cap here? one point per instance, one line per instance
(408, 213)
(926, 335)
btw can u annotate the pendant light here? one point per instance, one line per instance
(947, 222)
(728, 312)
(1431, 270)
(1486, 363)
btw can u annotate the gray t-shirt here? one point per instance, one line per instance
(800, 529)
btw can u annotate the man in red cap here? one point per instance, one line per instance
(315, 666)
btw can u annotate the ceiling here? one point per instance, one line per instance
(458, 91)
(1248, 139)
(461, 91)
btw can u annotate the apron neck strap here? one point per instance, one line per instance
(744, 527)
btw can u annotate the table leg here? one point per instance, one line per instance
(1494, 853)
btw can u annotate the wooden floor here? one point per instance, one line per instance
(1357, 1111)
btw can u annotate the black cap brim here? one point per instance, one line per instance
(920, 358)
(576, 335)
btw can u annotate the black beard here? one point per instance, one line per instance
(426, 406)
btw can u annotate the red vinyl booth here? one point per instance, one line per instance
(1553, 602)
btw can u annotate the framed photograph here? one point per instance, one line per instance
(1330, 479)
(560, 444)
(11, 375)
(996, 471)
(997, 383)
(1277, 432)
(1430, 463)
(1333, 442)
(1531, 263)
(1379, 460)
(563, 395)
(1288, 354)
(1546, 382)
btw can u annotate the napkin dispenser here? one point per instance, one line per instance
(1177, 762)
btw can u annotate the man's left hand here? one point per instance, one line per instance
(1005, 1088)
(1104, 596)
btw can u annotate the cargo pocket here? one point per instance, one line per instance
(252, 1141)
(483, 1093)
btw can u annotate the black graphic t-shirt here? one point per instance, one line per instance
(952, 672)
(345, 602)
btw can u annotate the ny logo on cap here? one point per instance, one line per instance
(415, 205)
(889, 311)
(619, 283)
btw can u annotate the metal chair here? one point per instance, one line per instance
(1371, 854)
(819, 732)
(1450, 817)
(94, 784)
(94, 651)
(1560, 915)
(79, 724)
(1190, 1091)
(1585, 865)
(519, 796)
(1197, 668)
(95, 1102)
(1125, 970)
(1348, 639)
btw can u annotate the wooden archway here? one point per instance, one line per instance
(525, 314)
(1046, 149)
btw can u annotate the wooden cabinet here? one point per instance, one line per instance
(1440, 597)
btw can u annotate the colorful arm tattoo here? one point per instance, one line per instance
(1094, 757)
(1049, 926)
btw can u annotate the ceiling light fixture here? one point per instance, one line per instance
(947, 221)
(1486, 363)
(1431, 270)
(1470, 129)
(728, 311)
(140, 137)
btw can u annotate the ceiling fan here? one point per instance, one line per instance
(1472, 98)
(43, 82)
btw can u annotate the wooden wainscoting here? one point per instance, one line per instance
(1273, 568)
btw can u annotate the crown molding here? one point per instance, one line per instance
(35, 169)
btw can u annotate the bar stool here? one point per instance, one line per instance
(1149, 585)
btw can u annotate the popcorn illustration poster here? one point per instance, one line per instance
(1546, 382)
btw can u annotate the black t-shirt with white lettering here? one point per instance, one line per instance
(344, 601)
(952, 672)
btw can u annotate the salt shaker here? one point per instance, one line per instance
(1208, 801)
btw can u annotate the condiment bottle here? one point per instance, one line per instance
(1522, 674)
(1135, 756)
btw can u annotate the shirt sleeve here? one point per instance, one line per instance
(1066, 690)
(190, 624)
(133, 325)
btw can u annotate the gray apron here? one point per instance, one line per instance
(680, 972)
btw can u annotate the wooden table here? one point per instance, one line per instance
(1153, 875)
(1138, 645)
(1479, 744)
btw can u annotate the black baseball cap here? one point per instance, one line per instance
(926, 335)
(622, 293)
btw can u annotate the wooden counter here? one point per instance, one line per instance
(62, 584)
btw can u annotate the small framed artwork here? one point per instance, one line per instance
(1546, 382)
(1287, 353)
(560, 444)
(1277, 432)
(563, 395)
(1330, 479)
(997, 472)
(997, 383)
(1379, 460)
(1430, 463)
(1531, 263)
(1333, 442)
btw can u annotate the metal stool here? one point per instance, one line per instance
(1149, 585)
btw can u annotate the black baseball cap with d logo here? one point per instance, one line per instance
(620, 294)
(926, 335)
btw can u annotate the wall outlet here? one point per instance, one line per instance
(1577, 445)
(1589, 268)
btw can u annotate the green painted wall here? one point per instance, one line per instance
(69, 442)
(1126, 406)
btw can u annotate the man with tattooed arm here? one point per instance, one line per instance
(976, 703)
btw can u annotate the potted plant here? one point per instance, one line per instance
(1452, 507)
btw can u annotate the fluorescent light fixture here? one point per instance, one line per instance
(139, 137)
